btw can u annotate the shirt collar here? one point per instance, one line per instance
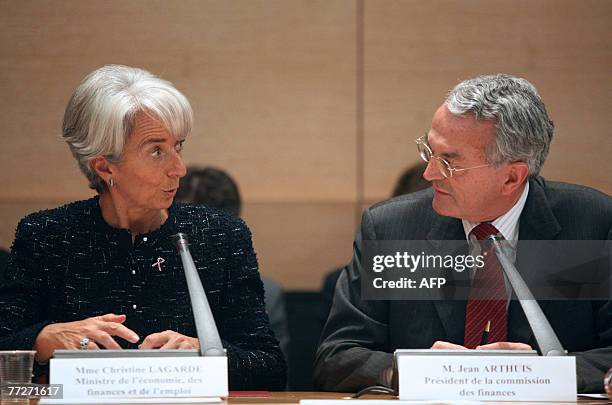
(506, 224)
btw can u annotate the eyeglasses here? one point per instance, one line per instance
(441, 164)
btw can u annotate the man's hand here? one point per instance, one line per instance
(491, 346)
(99, 330)
(169, 340)
(439, 344)
(504, 346)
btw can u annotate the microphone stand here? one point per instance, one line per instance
(544, 334)
(208, 334)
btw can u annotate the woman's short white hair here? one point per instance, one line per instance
(100, 114)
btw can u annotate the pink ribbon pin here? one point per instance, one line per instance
(158, 263)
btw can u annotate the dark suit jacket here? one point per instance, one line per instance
(360, 336)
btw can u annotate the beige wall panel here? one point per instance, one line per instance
(298, 244)
(272, 84)
(415, 51)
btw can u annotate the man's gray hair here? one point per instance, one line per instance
(523, 129)
(100, 114)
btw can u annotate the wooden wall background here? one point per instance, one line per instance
(312, 105)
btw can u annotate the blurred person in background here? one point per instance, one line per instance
(217, 189)
(410, 181)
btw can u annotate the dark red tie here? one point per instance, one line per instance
(487, 300)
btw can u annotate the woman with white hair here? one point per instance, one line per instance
(103, 273)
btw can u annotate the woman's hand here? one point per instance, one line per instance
(169, 340)
(99, 330)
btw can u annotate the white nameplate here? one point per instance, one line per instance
(481, 378)
(140, 377)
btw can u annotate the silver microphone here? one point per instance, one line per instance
(542, 331)
(206, 327)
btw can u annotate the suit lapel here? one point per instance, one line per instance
(450, 309)
(537, 222)
(443, 229)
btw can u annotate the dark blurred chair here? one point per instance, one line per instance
(308, 311)
(410, 181)
(304, 315)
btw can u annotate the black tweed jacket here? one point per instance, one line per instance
(68, 264)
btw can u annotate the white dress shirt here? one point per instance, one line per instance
(508, 226)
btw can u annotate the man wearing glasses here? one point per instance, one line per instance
(486, 146)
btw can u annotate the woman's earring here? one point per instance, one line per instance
(111, 183)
